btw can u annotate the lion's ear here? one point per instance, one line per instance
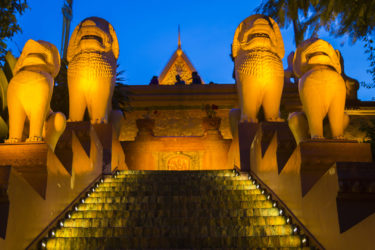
(56, 60)
(19, 63)
(279, 39)
(236, 43)
(337, 63)
(72, 44)
(115, 45)
(298, 61)
(53, 61)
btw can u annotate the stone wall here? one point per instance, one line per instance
(178, 122)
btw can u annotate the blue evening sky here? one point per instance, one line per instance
(147, 34)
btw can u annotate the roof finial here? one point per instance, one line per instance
(179, 37)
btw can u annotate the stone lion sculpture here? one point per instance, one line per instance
(92, 56)
(322, 90)
(257, 50)
(29, 94)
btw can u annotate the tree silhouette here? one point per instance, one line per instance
(301, 14)
(8, 22)
(339, 17)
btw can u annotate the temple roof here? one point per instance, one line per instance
(178, 64)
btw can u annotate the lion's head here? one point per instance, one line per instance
(93, 34)
(258, 31)
(315, 51)
(39, 55)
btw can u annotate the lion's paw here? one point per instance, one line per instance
(12, 140)
(340, 137)
(99, 121)
(316, 137)
(34, 139)
(275, 119)
(245, 118)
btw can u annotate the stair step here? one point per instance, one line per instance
(228, 172)
(209, 230)
(173, 198)
(217, 212)
(174, 205)
(170, 188)
(105, 192)
(159, 221)
(179, 181)
(182, 177)
(166, 242)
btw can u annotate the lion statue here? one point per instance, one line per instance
(92, 56)
(257, 50)
(322, 91)
(29, 95)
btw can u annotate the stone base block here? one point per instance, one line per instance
(317, 156)
(285, 141)
(29, 160)
(356, 196)
(246, 136)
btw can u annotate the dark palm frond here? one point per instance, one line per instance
(9, 10)
(120, 98)
(60, 96)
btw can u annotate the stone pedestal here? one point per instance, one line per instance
(317, 156)
(104, 134)
(356, 197)
(327, 184)
(4, 199)
(247, 132)
(29, 160)
(64, 148)
(284, 139)
(37, 184)
(246, 135)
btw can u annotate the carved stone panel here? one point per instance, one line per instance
(180, 160)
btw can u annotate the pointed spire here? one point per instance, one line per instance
(179, 37)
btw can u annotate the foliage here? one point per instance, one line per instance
(339, 17)
(120, 98)
(370, 50)
(8, 21)
(355, 19)
(368, 126)
(6, 73)
(60, 96)
(3, 105)
(301, 14)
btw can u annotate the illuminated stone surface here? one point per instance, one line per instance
(30, 91)
(258, 49)
(309, 184)
(150, 152)
(321, 87)
(92, 55)
(36, 184)
(234, 150)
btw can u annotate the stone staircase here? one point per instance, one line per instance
(175, 209)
